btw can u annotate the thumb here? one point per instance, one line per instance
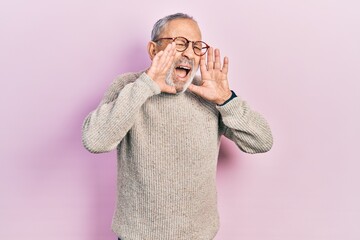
(168, 89)
(195, 89)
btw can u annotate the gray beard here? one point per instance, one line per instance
(169, 80)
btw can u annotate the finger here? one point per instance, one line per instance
(203, 68)
(170, 52)
(170, 58)
(165, 58)
(217, 59)
(225, 68)
(168, 65)
(158, 55)
(172, 47)
(210, 60)
(169, 48)
(156, 59)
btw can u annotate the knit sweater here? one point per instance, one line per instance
(167, 147)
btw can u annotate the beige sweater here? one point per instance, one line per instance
(167, 148)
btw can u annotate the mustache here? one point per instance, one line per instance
(184, 61)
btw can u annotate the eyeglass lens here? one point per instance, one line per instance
(198, 46)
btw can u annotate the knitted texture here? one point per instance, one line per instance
(167, 147)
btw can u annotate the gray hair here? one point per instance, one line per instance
(161, 23)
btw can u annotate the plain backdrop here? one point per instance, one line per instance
(296, 61)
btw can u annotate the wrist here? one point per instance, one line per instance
(150, 74)
(228, 98)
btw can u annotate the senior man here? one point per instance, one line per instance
(166, 125)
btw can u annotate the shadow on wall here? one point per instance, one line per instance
(230, 157)
(86, 181)
(133, 58)
(225, 156)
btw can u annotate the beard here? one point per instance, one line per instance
(172, 78)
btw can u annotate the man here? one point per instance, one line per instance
(166, 125)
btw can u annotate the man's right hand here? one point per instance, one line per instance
(160, 66)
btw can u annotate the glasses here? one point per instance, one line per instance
(199, 47)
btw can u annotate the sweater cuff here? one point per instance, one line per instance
(236, 107)
(233, 95)
(150, 83)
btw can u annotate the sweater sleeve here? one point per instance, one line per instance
(105, 127)
(247, 128)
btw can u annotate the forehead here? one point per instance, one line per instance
(182, 28)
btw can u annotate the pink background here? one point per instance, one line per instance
(296, 62)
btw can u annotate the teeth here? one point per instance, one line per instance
(186, 68)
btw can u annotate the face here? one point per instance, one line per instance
(186, 63)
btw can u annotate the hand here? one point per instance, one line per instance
(214, 85)
(160, 66)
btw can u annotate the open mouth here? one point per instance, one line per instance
(182, 71)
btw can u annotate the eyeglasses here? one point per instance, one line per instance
(199, 47)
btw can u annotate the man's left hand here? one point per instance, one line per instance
(214, 85)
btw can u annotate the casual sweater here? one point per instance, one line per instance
(167, 147)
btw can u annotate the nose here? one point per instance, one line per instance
(189, 52)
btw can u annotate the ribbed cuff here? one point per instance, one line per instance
(233, 95)
(236, 107)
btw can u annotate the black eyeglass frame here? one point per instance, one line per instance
(187, 44)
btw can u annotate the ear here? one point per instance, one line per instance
(151, 49)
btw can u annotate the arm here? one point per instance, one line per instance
(247, 128)
(104, 128)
